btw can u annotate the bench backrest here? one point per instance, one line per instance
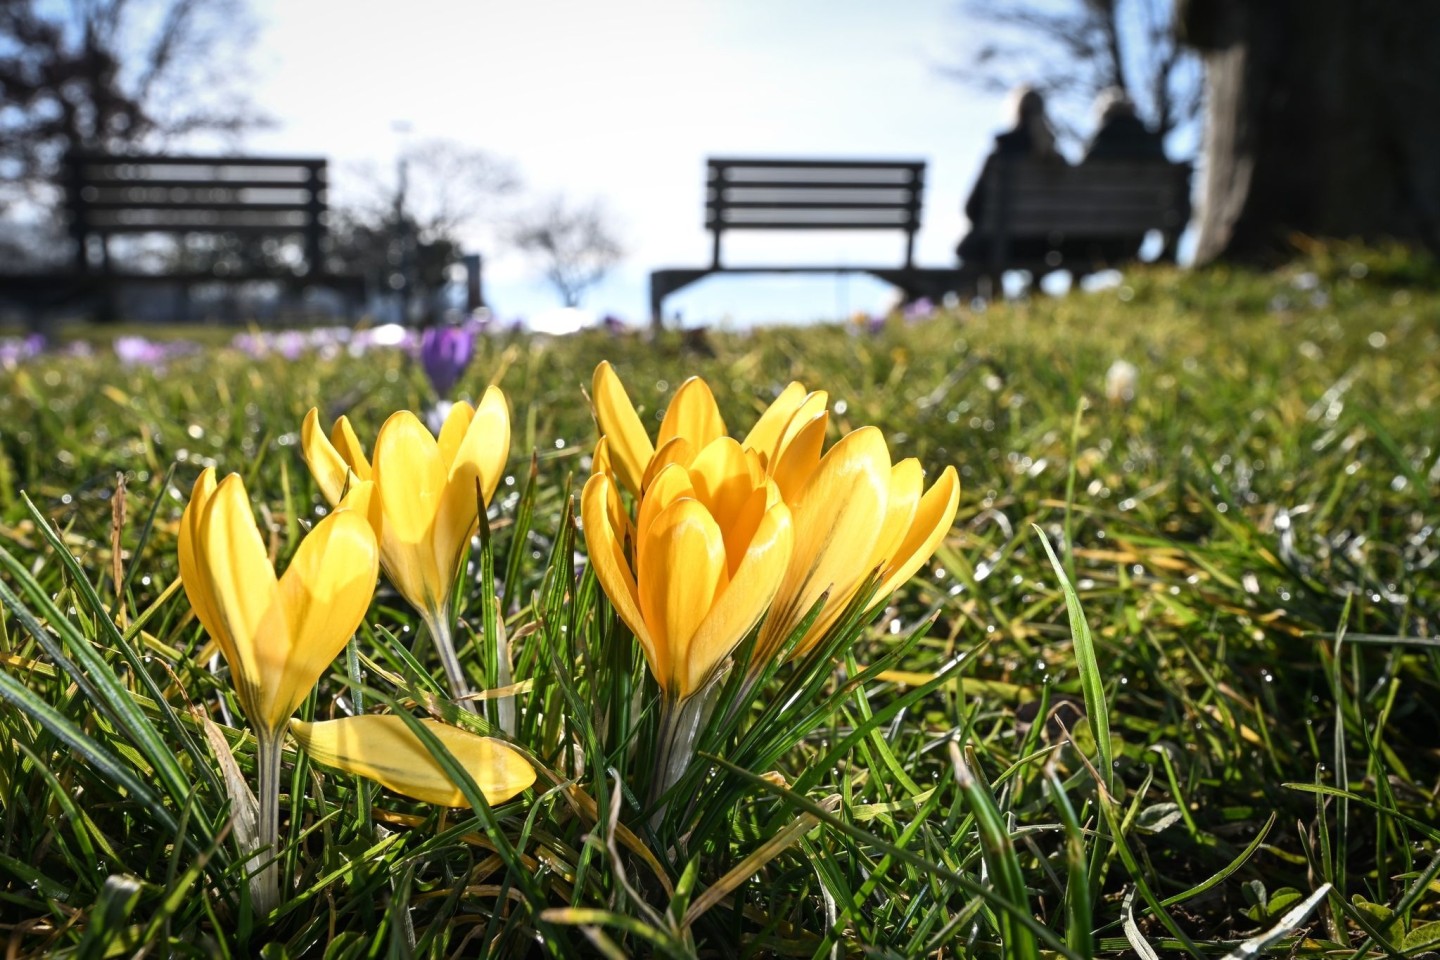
(759, 194)
(269, 196)
(1099, 199)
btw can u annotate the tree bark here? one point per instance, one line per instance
(1321, 119)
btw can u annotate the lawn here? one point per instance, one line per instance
(1223, 740)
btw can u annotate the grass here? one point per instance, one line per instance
(1215, 697)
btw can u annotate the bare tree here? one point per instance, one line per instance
(114, 75)
(1071, 50)
(406, 231)
(576, 245)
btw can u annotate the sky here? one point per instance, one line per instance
(622, 101)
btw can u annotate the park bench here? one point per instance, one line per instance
(255, 198)
(791, 194)
(1043, 215)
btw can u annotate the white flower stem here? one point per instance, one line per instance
(265, 885)
(680, 723)
(443, 636)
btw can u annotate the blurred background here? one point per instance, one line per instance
(552, 154)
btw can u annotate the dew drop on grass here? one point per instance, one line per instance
(840, 406)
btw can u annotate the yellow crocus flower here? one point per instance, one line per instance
(691, 422)
(386, 750)
(277, 634)
(424, 500)
(712, 541)
(856, 517)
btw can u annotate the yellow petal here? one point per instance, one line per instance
(410, 480)
(479, 463)
(669, 485)
(721, 476)
(630, 446)
(676, 450)
(326, 591)
(681, 569)
(722, 480)
(693, 415)
(933, 518)
(837, 518)
(365, 500)
(600, 459)
(452, 431)
(607, 556)
(765, 436)
(812, 406)
(800, 458)
(907, 482)
(326, 464)
(342, 436)
(744, 600)
(233, 562)
(197, 587)
(383, 749)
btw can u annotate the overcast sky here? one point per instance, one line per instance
(623, 101)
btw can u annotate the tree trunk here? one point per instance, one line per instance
(1322, 118)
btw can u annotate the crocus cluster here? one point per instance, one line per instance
(413, 511)
(729, 535)
(701, 541)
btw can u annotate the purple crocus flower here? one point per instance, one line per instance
(138, 351)
(14, 352)
(922, 309)
(445, 352)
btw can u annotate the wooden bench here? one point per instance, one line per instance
(279, 198)
(1044, 216)
(771, 194)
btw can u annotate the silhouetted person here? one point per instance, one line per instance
(1122, 135)
(1031, 138)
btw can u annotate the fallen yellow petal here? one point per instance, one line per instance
(384, 749)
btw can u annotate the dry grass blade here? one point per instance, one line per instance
(751, 865)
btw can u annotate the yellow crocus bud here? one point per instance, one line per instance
(277, 635)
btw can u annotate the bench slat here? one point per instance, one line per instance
(792, 163)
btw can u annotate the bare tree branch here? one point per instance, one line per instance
(576, 246)
(1071, 50)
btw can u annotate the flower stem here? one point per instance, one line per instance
(265, 885)
(442, 634)
(680, 722)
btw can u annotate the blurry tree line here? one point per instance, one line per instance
(130, 76)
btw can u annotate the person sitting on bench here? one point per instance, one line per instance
(1122, 137)
(1032, 137)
